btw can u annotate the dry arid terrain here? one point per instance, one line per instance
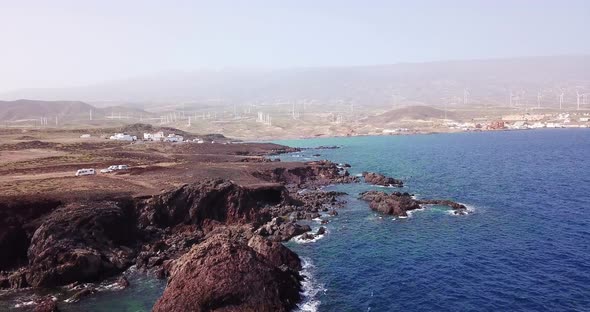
(35, 162)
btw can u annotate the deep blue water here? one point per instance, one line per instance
(526, 246)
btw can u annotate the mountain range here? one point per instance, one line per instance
(473, 82)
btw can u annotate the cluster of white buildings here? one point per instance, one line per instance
(157, 137)
(123, 137)
(463, 126)
(160, 136)
(396, 130)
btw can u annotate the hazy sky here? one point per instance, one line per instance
(63, 43)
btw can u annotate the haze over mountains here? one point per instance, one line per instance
(483, 82)
(70, 110)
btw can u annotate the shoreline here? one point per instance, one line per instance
(272, 140)
(162, 224)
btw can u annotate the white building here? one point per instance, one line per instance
(158, 136)
(123, 137)
(173, 138)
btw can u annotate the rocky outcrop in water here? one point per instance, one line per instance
(398, 204)
(233, 270)
(279, 229)
(313, 174)
(393, 204)
(379, 179)
(46, 304)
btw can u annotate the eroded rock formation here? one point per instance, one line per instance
(379, 179)
(313, 174)
(398, 204)
(233, 270)
(221, 235)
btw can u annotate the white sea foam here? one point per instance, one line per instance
(24, 304)
(299, 240)
(470, 209)
(311, 288)
(110, 286)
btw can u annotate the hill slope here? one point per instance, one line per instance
(64, 110)
(411, 113)
(25, 109)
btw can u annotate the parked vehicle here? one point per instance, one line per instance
(114, 168)
(84, 172)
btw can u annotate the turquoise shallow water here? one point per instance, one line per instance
(525, 247)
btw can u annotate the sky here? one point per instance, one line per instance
(59, 43)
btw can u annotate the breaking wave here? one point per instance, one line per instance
(311, 288)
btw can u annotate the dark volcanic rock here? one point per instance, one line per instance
(224, 273)
(311, 174)
(46, 304)
(81, 243)
(123, 282)
(379, 179)
(85, 292)
(443, 202)
(307, 236)
(218, 200)
(321, 231)
(394, 204)
(275, 253)
(398, 203)
(175, 221)
(279, 230)
(18, 218)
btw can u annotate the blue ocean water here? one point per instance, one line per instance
(525, 247)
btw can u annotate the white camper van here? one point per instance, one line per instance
(83, 172)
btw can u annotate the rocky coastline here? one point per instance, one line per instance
(212, 232)
(217, 242)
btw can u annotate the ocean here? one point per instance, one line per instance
(525, 246)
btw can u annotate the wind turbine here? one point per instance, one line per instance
(465, 94)
(539, 97)
(523, 94)
(578, 97)
(561, 100)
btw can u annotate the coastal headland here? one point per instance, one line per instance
(196, 213)
(216, 209)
